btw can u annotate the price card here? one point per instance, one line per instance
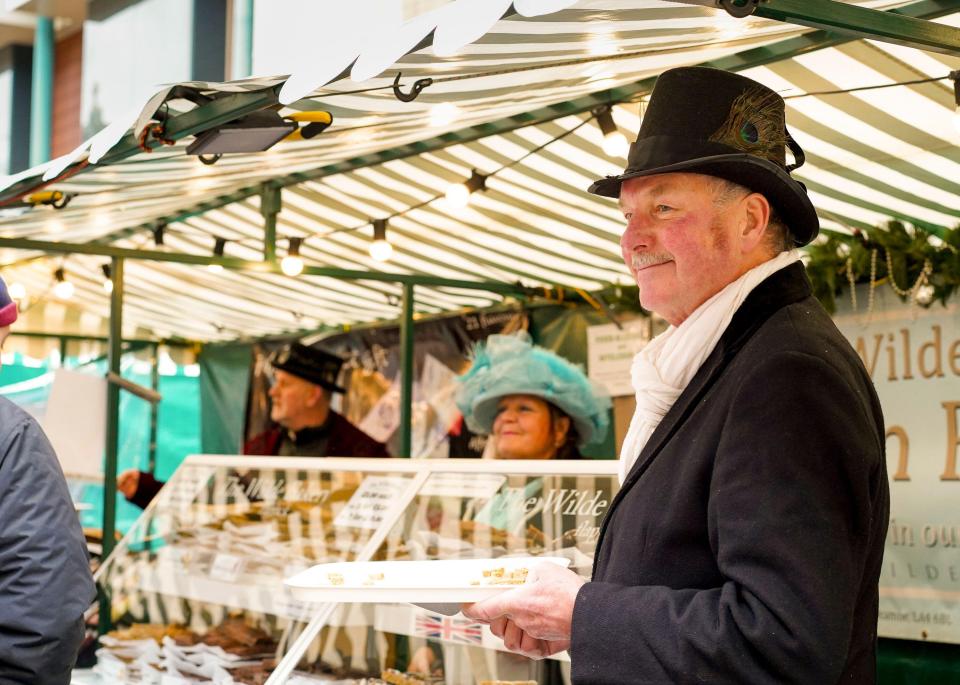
(170, 554)
(226, 567)
(479, 485)
(292, 608)
(183, 491)
(371, 501)
(610, 353)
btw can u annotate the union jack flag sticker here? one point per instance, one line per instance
(449, 628)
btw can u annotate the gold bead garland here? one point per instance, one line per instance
(922, 279)
(853, 285)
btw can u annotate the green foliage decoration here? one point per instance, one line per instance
(909, 250)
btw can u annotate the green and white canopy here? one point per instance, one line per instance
(510, 96)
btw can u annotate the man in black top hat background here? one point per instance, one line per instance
(306, 426)
(745, 543)
(304, 378)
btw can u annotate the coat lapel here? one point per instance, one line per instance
(784, 287)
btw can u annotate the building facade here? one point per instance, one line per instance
(69, 67)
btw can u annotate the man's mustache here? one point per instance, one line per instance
(641, 260)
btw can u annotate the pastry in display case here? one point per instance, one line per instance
(197, 585)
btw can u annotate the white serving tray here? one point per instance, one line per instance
(416, 582)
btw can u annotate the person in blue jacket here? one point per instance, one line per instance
(45, 581)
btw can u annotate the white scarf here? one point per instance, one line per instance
(663, 368)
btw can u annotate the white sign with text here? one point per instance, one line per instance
(913, 356)
(372, 500)
(610, 352)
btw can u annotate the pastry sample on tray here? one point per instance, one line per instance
(395, 677)
(234, 652)
(431, 581)
(265, 539)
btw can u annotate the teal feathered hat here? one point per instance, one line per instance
(512, 365)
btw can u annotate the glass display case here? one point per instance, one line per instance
(196, 586)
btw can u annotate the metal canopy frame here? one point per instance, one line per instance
(836, 22)
(860, 22)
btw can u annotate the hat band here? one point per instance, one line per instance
(654, 152)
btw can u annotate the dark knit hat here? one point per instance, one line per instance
(309, 363)
(713, 122)
(8, 308)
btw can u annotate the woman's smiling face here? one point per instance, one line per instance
(524, 429)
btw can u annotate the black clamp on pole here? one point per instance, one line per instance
(739, 8)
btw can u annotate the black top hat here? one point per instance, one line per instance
(309, 363)
(709, 121)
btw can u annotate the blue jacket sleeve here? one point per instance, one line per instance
(45, 581)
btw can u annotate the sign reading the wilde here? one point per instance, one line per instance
(913, 357)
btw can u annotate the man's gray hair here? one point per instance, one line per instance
(780, 237)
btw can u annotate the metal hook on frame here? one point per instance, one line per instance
(415, 89)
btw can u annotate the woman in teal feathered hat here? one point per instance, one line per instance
(533, 403)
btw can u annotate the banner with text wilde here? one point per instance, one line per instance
(913, 357)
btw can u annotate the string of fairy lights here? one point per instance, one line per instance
(457, 195)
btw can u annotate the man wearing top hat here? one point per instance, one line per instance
(306, 426)
(746, 540)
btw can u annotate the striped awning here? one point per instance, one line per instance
(871, 155)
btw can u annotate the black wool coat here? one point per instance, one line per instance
(745, 544)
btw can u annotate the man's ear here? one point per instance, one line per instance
(315, 398)
(754, 221)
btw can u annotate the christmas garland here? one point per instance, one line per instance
(924, 269)
(902, 256)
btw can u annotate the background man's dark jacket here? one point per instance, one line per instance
(45, 581)
(343, 439)
(745, 545)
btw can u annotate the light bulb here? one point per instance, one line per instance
(291, 265)
(615, 145)
(17, 291)
(458, 196)
(108, 287)
(63, 290)
(381, 250)
(214, 268)
(444, 113)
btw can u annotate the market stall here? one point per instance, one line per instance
(872, 110)
(198, 582)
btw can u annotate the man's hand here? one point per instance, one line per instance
(535, 619)
(127, 482)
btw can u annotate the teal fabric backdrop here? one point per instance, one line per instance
(224, 386)
(178, 428)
